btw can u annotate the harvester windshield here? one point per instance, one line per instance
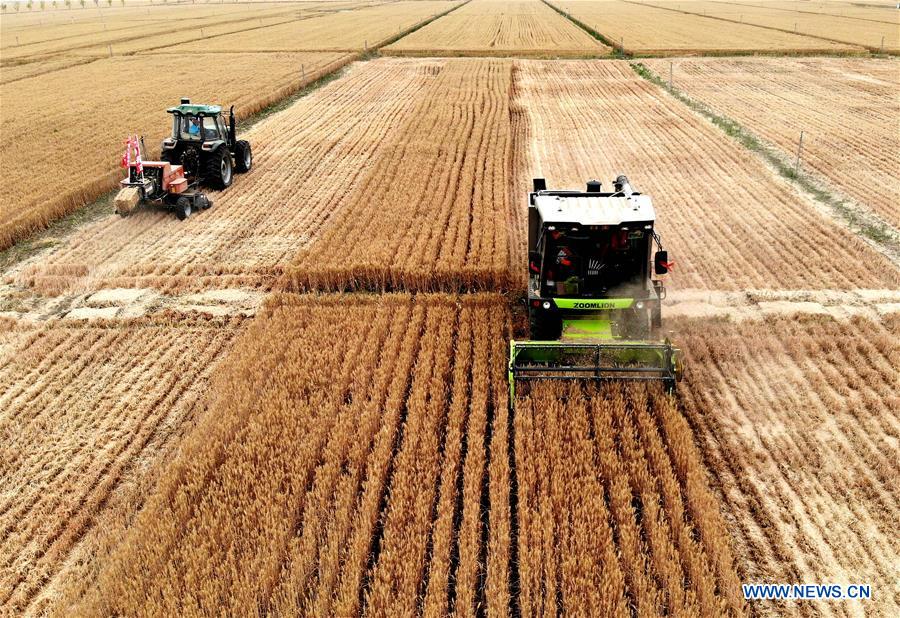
(594, 262)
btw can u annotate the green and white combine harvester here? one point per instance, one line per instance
(594, 305)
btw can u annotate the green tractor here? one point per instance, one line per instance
(205, 145)
(594, 306)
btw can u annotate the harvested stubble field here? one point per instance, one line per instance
(643, 29)
(370, 473)
(356, 30)
(615, 514)
(432, 212)
(495, 27)
(729, 222)
(86, 411)
(798, 420)
(307, 158)
(852, 30)
(852, 142)
(45, 178)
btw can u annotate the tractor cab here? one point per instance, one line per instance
(205, 145)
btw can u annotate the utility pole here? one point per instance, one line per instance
(799, 153)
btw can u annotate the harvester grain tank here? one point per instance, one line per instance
(594, 289)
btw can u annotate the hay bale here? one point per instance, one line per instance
(127, 200)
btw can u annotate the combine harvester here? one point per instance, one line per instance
(594, 308)
(203, 149)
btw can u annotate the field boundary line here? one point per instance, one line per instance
(618, 50)
(744, 23)
(849, 213)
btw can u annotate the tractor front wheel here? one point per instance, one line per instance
(243, 156)
(183, 208)
(218, 169)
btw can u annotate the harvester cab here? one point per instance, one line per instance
(594, 292)
(202, 149)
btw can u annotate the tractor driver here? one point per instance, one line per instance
(193, 126)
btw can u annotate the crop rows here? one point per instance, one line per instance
(347, 464)
(495, 27)
(727, 220)
(642, 29)
(306, 158)
(432, 213)
(799, 420)
(852, 141)
(87, 409)
(357, 30)
(615, 515)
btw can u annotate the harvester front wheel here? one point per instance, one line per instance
(183, 208)
(243, 156)
(218, 172)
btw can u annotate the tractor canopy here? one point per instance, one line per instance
(189, 109)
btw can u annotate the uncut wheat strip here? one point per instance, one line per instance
(318, 504)
(657, 528)
(248, 569)
(449, 505)
(499, 579)
(642, 588)
(347, 597)
(421, 176)
(687, 150)
(299, 591)
(591, 573)
(397, 583)
(470, 568)
(185, 501)
(395, 379)
(74, 524)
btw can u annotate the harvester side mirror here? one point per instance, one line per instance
(661, 262)
(534, 262)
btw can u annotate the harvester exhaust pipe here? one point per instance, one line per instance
(622, 185)
(540, 184)
(594, 186)
(185, 101)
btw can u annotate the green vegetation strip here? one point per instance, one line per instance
(866, 224)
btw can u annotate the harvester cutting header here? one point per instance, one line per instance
(594, 307)
(203, 149)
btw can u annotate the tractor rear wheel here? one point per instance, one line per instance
(218, 171)
(243, 156)
(183, 208)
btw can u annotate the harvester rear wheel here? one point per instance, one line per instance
(183, 208)
(218, 170)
